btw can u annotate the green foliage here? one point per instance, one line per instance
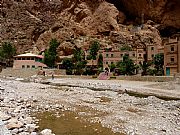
(7, 51)
(78, 55)
(68, 65)
(126, 66)
(158, 64)
(88, 57)
(79, 67)
(100, 61)
(95, 46)
(112, 67)
(51, 53)
(79, 61)
(145, 66)
(152, 71)
(89, 71)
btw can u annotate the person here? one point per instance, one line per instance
(52, 76)
(44, 73)
(106, 71)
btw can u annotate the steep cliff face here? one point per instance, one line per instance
(165, 12)
(35, 22)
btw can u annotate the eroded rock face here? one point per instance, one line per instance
(26, 23)
(133, 37)
(165, 12)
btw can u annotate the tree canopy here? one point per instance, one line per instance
(100, 61)
(68, 65)
(94, 48)
(79, 61)
(51, 53)
(126, 66)
(145, 66)
(159, 63)
(7, 50)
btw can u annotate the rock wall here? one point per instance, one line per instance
(35, 22)
(165, 12)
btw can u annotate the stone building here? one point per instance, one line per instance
(28, 61)
(153, 50)
(172, 56)
(141, 54)
(114, 56)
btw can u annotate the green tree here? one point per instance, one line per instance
(100, 61)
(79, 67)
(79, 61)
(7, 51)
(78, 54)
(68, 65)
(112, 67)
(126, 66)
(145, 66)
(95, 46)
(51, 54)
(158, 62)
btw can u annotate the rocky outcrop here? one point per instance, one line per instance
(26, 23)
(165, 12)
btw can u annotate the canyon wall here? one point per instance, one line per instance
(28, 23)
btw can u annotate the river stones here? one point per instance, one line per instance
(46, 132)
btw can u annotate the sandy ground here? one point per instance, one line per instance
(123, 113)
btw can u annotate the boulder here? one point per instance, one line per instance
(14, 123)
(46, 132)
(4, 116)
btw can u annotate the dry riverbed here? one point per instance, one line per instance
(94, 101)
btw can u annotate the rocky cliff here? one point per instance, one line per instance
(26, 23)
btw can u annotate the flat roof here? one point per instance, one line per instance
(29, 55)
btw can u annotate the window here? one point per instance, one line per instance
(112, 62)
(107, 55)
(127, 55)
(28, 58)
(172, 48)
(134, 55)
(152, 55)
(112, 55)
(28, 66)
(172, 59)
(23, 66)
(139, 55)
(107, 63)
(32, 58)
(33, 66)
(23, 58)
(121, 55)
(152, 48)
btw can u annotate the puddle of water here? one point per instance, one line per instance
(69, 123)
